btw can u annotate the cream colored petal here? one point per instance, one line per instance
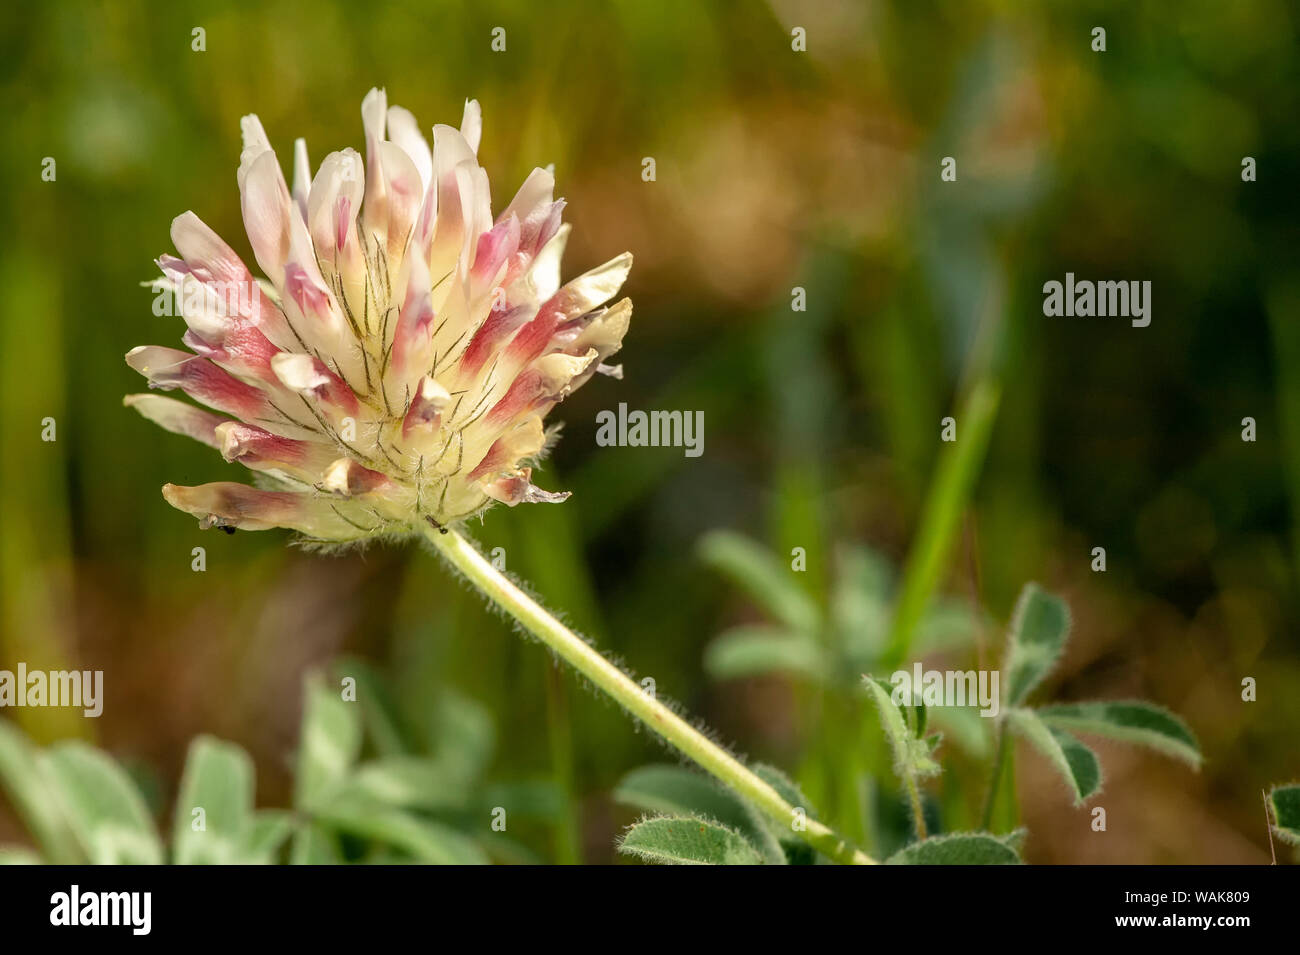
(178, 417)
(301, 175)
(255, 143)
(374, 109)
(542, 278)
(593, 288)
(405, 132)
(471, 124)
(347, 478)
(405, 196)
(266, 215)
(226, 504)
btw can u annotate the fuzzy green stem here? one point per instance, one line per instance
(588, 661)
(918, 810)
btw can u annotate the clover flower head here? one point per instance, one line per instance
(395, 365)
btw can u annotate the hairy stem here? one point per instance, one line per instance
(588, 661)
(918, 810)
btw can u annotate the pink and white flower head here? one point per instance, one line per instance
(396, 364)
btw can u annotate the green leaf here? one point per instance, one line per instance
(527, 798)
(965, 729)
(678, 791)
(763, 577)
(409, 782)
(29, 790)
(330, 742)
(1015, 840)
(385, 726)
(218, 779)
(675, 789)
(1039, 629)
(1130, 721)
(962, 848)
(1076, 763)
(945, 503)
(314, 844)
(912, 759)
(1285, 803)
(796, 850)
(948, 624)
(758, 650)
(265, 834)
(786, 787)
(106, 811)
(424, 839)
(860, 604)
(17, 855)
(688, 840)
(464, 736)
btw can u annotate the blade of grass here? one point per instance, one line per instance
(941, 518)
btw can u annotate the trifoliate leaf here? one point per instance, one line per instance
(1130, 721)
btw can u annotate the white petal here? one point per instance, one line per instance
(543, 277)
(298, 372)
(532, 201)
(405, 132)
(374, 109)
(594, 288)
(471, 124)
(255, 143)
(301, 175)
(266, 215)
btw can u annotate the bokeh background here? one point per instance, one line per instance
(775, 169)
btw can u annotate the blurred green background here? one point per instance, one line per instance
(775, 169)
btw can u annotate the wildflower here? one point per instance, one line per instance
(395, 365)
